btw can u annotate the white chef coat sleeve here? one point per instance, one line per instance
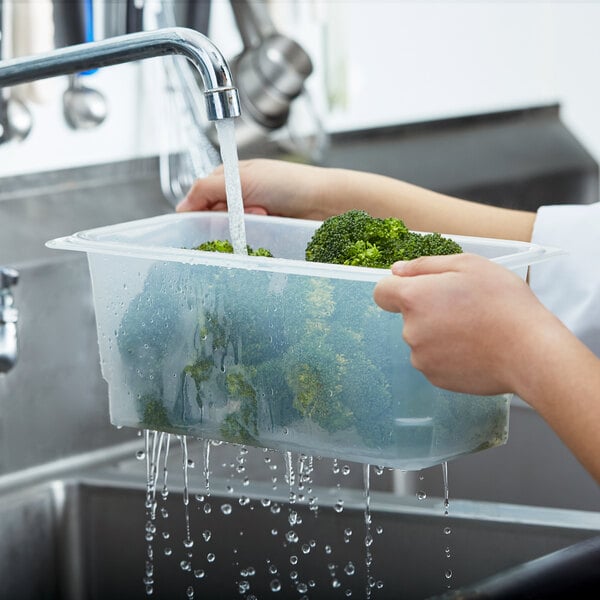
(569, 285)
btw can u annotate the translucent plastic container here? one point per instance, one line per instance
(273, 352)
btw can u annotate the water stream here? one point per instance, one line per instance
(233, 187)
(291, 576)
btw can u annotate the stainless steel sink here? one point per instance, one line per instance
(83, 537)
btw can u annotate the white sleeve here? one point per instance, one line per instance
(569, 285)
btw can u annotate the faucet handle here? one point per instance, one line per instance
(8, 278)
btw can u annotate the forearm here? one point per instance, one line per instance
(422, 209)
(562, 382)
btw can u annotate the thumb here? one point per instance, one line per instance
(207, 193)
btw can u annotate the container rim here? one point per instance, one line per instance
(91, 241)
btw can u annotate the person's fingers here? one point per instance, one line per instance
(388, 294)
(430, 265)
(207, 193)
(256, 210)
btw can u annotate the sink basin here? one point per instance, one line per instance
(84, 538)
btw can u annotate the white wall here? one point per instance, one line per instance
(409, 61)
(396, 62)
(376, 63)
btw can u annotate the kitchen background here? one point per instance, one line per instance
(376, 63)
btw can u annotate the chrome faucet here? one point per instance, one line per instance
(8, 320)
(221, 97)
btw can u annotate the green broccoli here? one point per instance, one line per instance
(333, 375)
(154, 415)
(271, 349)
(241, 425)
(225, 246)
(355, 238)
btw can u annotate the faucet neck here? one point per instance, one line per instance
(221, 97)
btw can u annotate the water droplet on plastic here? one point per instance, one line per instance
(226, 509)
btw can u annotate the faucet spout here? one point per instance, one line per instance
(221, 96)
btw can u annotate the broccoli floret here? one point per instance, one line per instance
(200, 371)
(149, 331)
(355, 238)
(225, 246)
(154, 415)
(334, 377)
(241, 425)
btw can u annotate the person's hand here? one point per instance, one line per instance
(471, 324)
(269, 187)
